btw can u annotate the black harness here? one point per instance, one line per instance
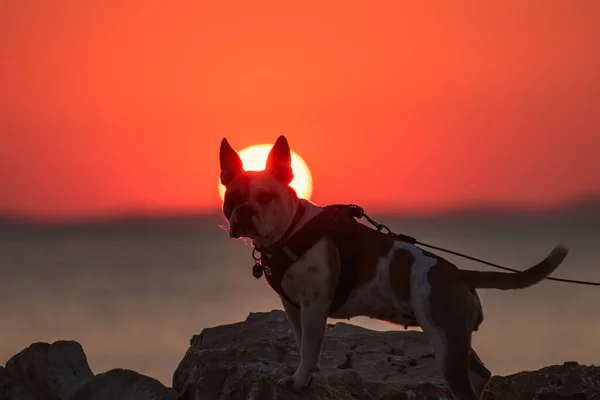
(335, 223)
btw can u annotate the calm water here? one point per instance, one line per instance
(134, 294)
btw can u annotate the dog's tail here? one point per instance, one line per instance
(516, 280)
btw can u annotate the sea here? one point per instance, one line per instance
(133, 291)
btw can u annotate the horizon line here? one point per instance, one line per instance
(142, 213)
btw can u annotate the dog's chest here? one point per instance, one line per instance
(386, 294)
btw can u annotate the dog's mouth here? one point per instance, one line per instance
(240, 232)
(248, 229)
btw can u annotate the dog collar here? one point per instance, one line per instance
(300, 209)
(266, 252)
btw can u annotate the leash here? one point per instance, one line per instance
(357, 212)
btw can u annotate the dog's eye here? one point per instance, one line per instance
(233, 198)
(265, 197)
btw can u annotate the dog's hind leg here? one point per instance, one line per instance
(445, 310)
(480, 375)
(455, 366)
(452, 349)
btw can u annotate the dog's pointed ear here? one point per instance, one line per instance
(231, 163)
(279, 162)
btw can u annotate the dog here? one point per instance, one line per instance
(392, 280)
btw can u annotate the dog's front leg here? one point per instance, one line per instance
(312, 287)
(313, 314)
(314, 308)
(314, 321)
(293, 316)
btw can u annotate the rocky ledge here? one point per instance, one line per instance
(245, 360)
(60, 371)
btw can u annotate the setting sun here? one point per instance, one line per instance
(254, 158)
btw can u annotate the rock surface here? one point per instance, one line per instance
(569, 381)
(245, 360)
(123, 384)
(60, 371)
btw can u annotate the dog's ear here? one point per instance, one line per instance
(279, 162)
(231, 163)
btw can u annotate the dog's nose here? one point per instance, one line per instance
(243, 219)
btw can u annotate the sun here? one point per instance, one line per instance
(254, 158)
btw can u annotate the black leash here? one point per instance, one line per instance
(358, 212)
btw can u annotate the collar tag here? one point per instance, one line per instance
(257, 271)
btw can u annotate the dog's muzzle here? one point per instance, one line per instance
(242, 223)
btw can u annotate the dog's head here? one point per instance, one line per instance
(259, 205)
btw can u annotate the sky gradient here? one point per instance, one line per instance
(112, 106)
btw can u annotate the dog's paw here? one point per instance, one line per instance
(295, 383)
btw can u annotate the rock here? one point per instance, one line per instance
(123, 384)
(245, 360)
(60, 371)
(18, 388)
(57, 369)
(569, 381)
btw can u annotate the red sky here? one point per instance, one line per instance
(116, 105)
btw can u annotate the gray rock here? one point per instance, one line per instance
(60, 371)
(246, 359)
(569, 381)
(123, 384)
(15, 387)
(57, 369)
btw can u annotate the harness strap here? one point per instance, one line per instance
(346, 241)
(331, 222)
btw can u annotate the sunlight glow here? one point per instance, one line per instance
(254, 158)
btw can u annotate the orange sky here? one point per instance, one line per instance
(120, 105)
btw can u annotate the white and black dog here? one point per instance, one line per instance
(392, 280)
